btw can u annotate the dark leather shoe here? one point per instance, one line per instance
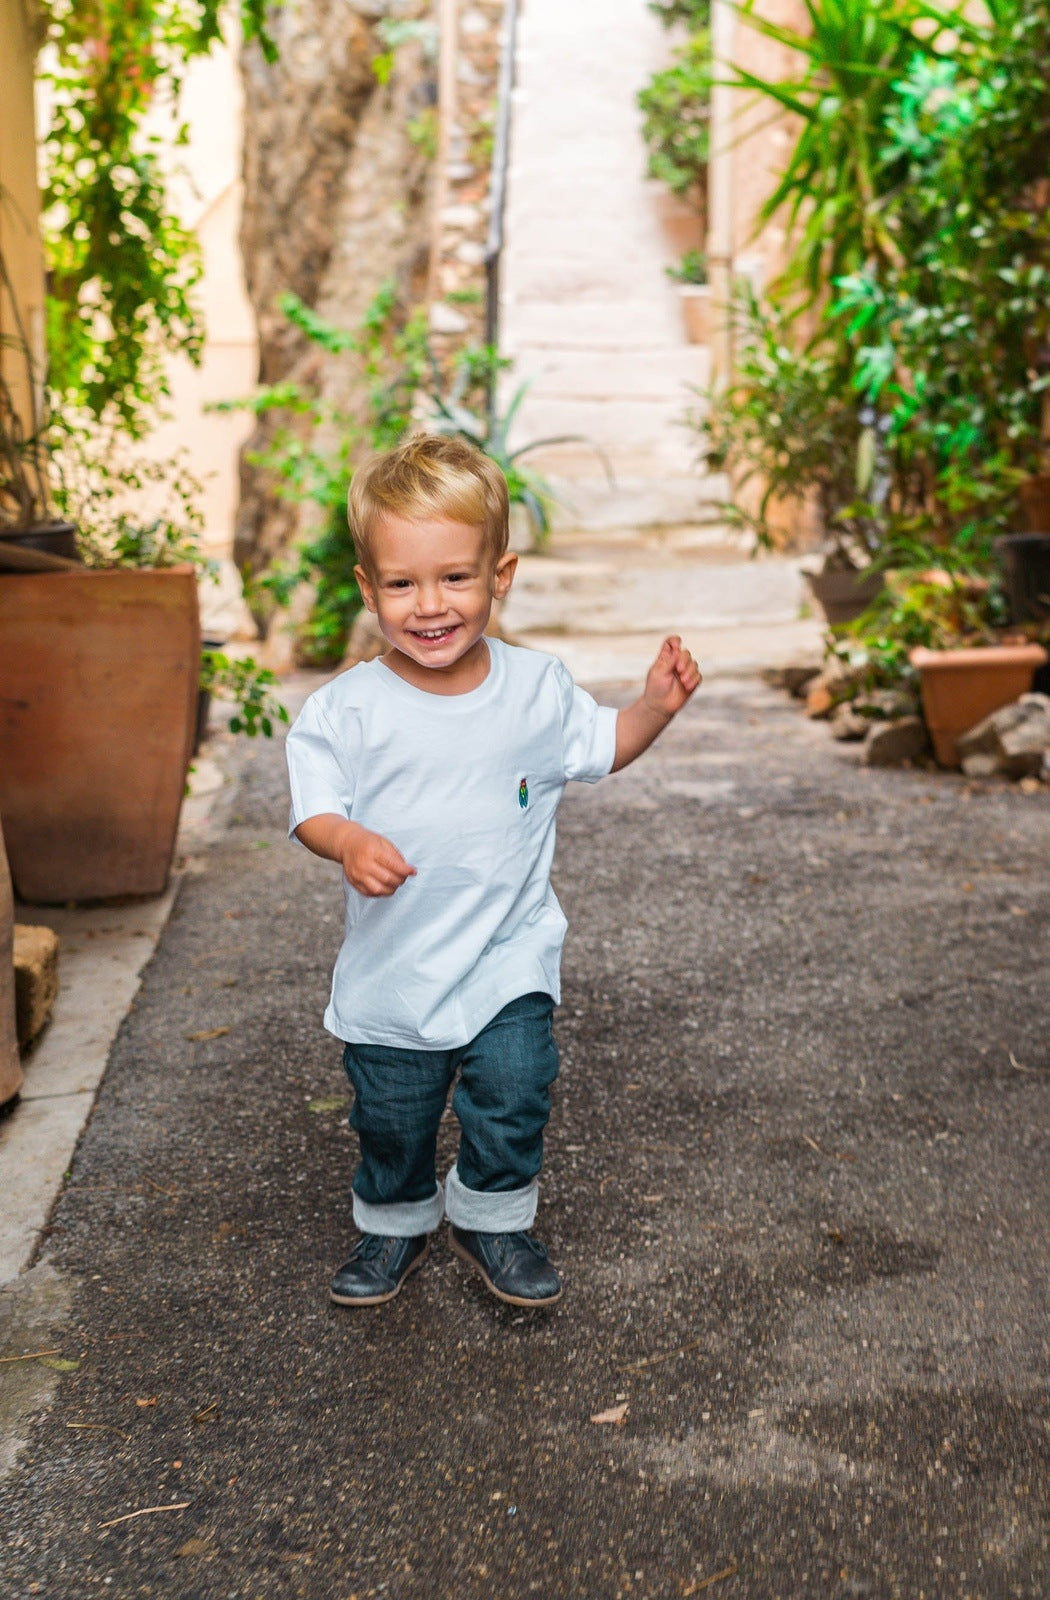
(514, 1266)
(377, 1268)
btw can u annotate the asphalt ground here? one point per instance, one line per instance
(796, 1181)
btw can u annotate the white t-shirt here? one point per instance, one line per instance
(467, 787)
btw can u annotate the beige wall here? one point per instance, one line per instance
(19, 197)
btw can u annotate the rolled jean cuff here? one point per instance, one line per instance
(513, 1211)
(402, 1219)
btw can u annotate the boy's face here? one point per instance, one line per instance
(432, 589)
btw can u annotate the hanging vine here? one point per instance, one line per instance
(122, 266)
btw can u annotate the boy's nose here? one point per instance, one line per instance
(430, 602)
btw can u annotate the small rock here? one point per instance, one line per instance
(446, 319)
(1011, 741)
(848, 724)
(892, 744)
(792, 676)
(36, 980)
(460, 216)
(819, 699)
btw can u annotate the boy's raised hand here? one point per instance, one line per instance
(671, 679)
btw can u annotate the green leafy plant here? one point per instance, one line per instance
(122, 267)
(790, 427)
(250, 688)
(694, 14)
(675, 106)
(691, 269)
(837, 178)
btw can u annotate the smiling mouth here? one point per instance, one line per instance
(434, 635)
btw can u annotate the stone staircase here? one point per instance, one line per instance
(587, 312)
(604, 601)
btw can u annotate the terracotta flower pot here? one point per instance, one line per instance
(960, 687)
(10, 1066)
(98, 701)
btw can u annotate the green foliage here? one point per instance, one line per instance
(691, 269)
(249, 686)
(917, 198)
(695, 14)
(129, 509)
(123, 268)
(953, 341)
(675, 106)
(833, 187)
(790, 424)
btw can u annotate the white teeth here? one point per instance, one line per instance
(432, 633)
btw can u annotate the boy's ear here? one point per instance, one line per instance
(503, 575)
(365, 585)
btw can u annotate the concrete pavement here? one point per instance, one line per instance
(796, 1179)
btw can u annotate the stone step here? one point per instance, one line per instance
(661, 373)
(537, 322)
(630, 591)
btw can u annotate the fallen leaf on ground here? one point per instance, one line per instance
(151, 1400)
(207, 1033)
(705, 1583)
(614, 1414)
(60, 1363)
(337, 1103)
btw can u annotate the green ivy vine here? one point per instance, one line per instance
(122, 267)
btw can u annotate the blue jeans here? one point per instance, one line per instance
(502, 1102)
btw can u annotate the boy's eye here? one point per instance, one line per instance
(457, 577)
(398, 583)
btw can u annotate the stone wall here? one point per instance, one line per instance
(335, 201)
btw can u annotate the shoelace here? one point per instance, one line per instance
(373, 1246)
(506, 1242)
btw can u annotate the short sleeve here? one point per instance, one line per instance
(320, 766)
(588, 731)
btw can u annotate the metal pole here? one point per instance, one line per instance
(720, 179)
(498, 192)
(447, 32)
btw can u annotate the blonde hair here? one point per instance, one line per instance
(429, 476)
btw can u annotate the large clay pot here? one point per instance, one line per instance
(961, 687)
(10, 1066)
(98, 701)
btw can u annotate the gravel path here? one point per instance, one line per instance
(796, 1182)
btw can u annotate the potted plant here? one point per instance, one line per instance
(101, 665)
(694, 294)
(799, 445)
(945, 628)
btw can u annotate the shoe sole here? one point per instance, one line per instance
(501, 1294)
(381, 1299)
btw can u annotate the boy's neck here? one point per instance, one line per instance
(468, 673)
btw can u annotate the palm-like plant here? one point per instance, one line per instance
(835, 182)
(476, 371)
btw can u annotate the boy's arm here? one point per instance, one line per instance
(371, 863)
(672, 678)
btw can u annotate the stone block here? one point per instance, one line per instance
(893, 744)
(36, 980)
(847, 724)
(1012, 741)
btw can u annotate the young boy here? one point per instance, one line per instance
(433, 776)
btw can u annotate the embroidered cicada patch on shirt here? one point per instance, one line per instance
(523, 793)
